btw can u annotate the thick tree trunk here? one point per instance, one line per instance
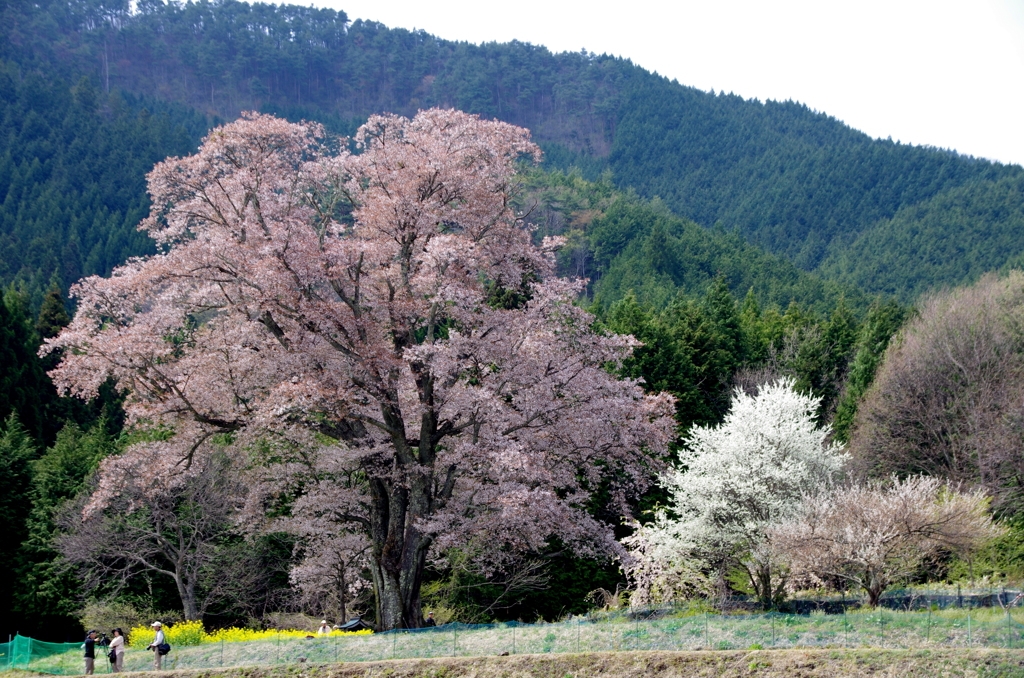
(761, 580)
(875, 587)
(763, 586)
(398, 590)
(399, 551)
(187, 592)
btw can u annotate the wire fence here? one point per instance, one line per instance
(880, 629)
(906, 599)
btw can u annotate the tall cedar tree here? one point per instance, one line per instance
(24, 386)
(17, 450)
(47, 591)
(53, 316)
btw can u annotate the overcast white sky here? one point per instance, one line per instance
(947, 73)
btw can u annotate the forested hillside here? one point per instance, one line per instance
(72, 176)
(625, 244)
(959, 234)
(795, 181)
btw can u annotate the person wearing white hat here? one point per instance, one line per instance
(158, 640)
(325, 629)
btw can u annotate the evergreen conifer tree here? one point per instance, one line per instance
(24, 387)
(46, 586)
(883, 321)
(53, 316)
(17, 450)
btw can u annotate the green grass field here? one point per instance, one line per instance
(881, 629)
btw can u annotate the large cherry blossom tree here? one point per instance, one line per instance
(380, 318)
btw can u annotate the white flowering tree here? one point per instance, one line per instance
(871, 536)
(734, 482)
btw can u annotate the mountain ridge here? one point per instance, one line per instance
(798, 183)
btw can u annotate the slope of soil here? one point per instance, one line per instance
(812, 663)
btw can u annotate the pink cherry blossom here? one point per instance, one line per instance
(329, 312)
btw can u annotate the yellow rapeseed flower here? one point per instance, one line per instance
(185, 634)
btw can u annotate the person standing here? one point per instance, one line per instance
(429, 621)
(325, 629)
(158, 640)
(90, 652)
(117, 647)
